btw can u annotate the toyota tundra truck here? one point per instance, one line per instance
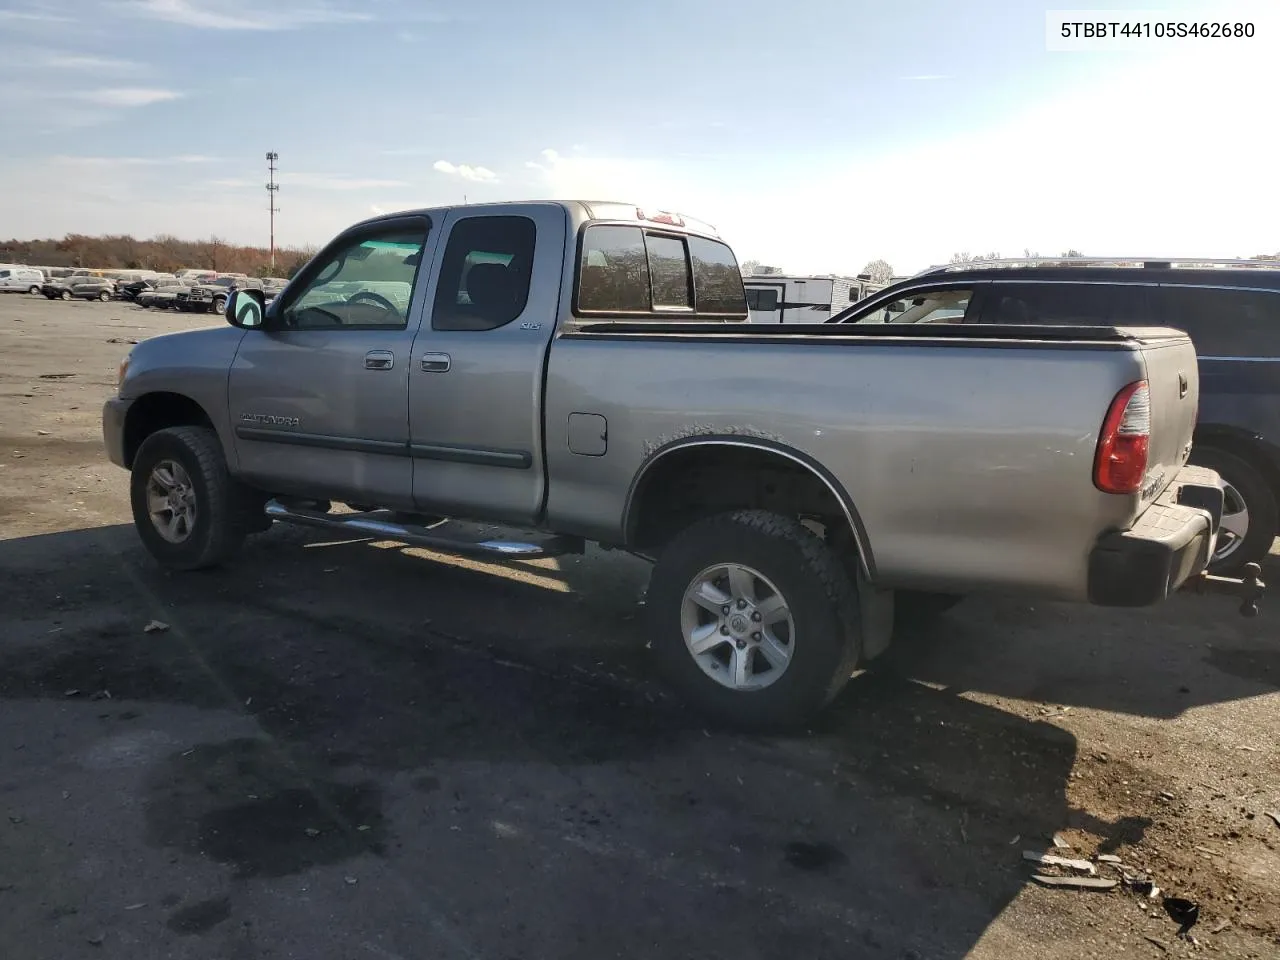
(584, 372)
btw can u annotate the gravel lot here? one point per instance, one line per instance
(356, 750)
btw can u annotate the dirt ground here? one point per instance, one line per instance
(352, 749)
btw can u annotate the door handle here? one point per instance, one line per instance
(436, 363)
(379, 360)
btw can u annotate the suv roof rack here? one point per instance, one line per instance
(1164, 263)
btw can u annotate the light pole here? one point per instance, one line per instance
(272, 189)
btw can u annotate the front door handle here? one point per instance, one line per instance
(436, 363)
(379, 360)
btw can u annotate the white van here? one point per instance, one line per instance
(20, 280)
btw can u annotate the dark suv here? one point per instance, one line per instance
(1231, 309)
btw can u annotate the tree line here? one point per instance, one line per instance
(164, 253)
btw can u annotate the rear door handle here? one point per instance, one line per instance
(379, 360)
(436, 363)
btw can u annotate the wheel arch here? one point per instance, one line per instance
(155, 411)
(1251, 447)
(647, 521)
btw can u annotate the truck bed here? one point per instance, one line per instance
(966, 451)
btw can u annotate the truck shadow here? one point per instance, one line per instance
(1145, 662)
(377, 676)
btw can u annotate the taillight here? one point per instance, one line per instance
(1121, 462)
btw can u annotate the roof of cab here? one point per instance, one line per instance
(604, 210)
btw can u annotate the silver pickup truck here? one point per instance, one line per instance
(585, 372)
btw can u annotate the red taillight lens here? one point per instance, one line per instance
(1121, 462)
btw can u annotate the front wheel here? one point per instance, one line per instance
(188, 510)
(104, 296)
(1249, 512)
(755, 620)
(66, 294)
(219, 304)
(33, 290)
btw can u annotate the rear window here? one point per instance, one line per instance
(637, 272)
(1224, 323)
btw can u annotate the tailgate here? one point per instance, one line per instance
(1174, 380)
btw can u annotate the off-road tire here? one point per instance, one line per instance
(224, 507)
(1259, 498)
(218, 305)
(822, 599)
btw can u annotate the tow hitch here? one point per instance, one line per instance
(1248, 587)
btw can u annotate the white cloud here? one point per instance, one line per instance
(243, 14)
(32, 15)
(66, 61)
(128, 96)
(134, 161)
(475, 174)
(312, 181)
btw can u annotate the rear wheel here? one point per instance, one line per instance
(1249, 512)
(66, 294)
(188, 510)
(755, 620)
(104, 296)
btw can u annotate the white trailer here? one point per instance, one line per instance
(772, 298)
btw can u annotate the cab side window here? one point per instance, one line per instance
(926, 306)
(366, 283)
(485, 274)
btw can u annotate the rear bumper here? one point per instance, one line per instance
(1168, 545)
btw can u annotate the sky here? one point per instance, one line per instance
(816, 135)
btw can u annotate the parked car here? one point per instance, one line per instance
(20, 280)
(1231, 310)
(59, 288)
(91, 288)
(558, 380)
(211, 295)
(163, 295)
(134, 288)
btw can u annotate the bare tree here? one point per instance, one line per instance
(879, 270)
(749, 267)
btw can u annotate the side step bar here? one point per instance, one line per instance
(381, 524)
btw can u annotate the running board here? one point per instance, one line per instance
(379, 524)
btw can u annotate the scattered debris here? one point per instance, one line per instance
(1182, 911)
(1223, 925)
(1014, 841)
(42, 433)
(1155, 943)
(364, 828)
(1049, 860)
(311, 832)
(97, 939)
(1080, 883)
(155, 626)
(1109, 858)
(351, 881)
(1165, 796)
(135, 906)
(1060, 843)
(73, 692)
(101, 695)
(1275, 817)
(15, 820)
(56, 376)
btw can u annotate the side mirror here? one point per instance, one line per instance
(245, 309)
